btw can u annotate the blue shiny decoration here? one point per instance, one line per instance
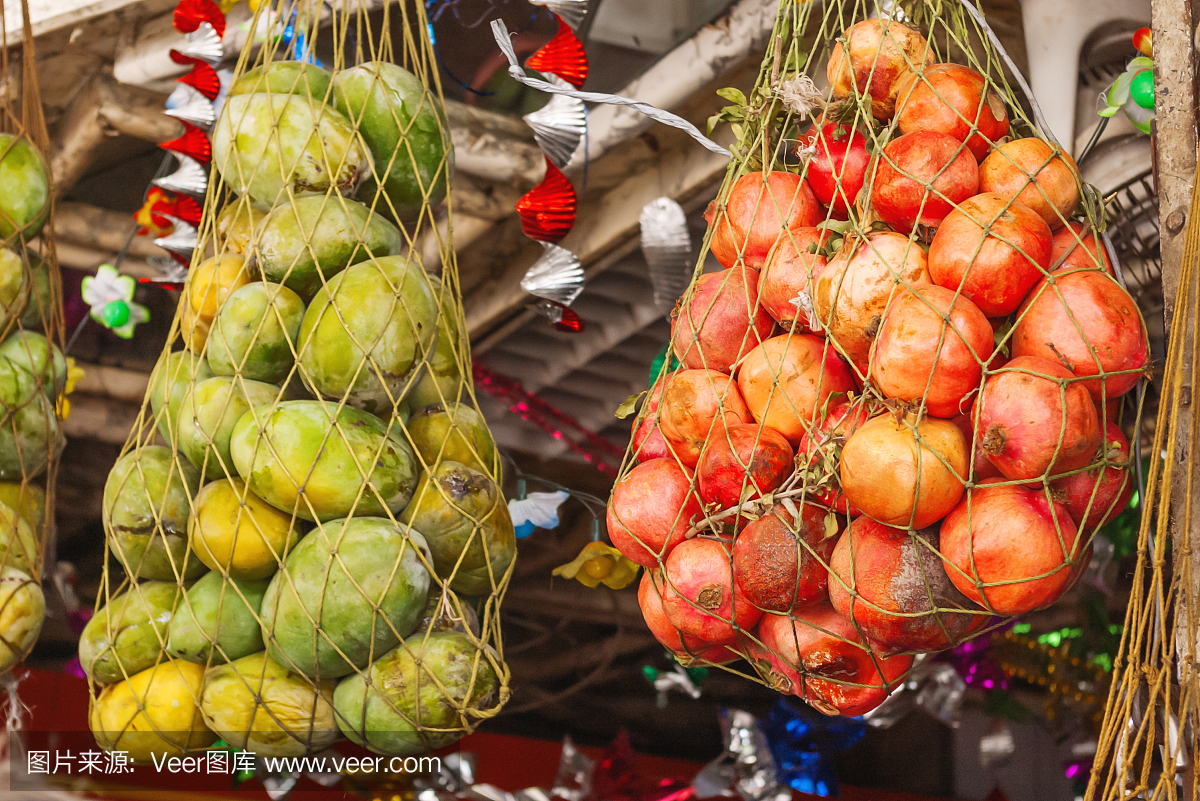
(804, 743)
(524, 530)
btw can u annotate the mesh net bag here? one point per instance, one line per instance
(307, 536)
(900, 408)
(33, 372)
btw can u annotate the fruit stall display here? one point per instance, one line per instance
(306, 534)
(900, 409)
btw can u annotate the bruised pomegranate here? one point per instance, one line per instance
(921, 176)
(720, 320)
(837, 166)
(818, 655)
(1096, 496)
(695, 403)
(788, 272)
(651, 509)
(687, 649)
(781, 562)
(1086, 322)
(648, 441)
(981, 465)
(892, 583)
(1076, 247)
(871, 58)
(905, 473)
(700, 598)
(932, 345)
(851, 293)
(1009, 548)
(1033, 172)
(822, 446)
(787, 379)
(994, 248)
(950, 99)
(757, 211)
(1035, 421)
(742, 463)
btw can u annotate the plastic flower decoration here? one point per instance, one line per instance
(111, 297)
(74, 374)
(537, 510)
(600, 563)
(1133, 90)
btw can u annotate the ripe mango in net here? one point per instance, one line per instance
(284, 78)
(24, 188)
(28, 424)
(234, 530)
(173, 376)
(208, 284)
(153, 713)
(22, 610)
(14, 286)
(254, 333)
(19, 542)
(207, 417)
(127, 635)
(37, 309)
(37, 356)
(452, 433)
(216, 622)
(237, 225)
(441, 381)
(28, 499)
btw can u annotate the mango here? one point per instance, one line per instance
(284, 78)
(29, 426)
(173, 376)
(442, 381)
(39, 357)
(217, 621)
(22, 610)
(37, 308)
(237, 225)
(19, 543)
(127, 635)
(454, 433)
(155, 713)
(207, 286)
(254, 333)
(233, 530)
(207, 417)
(28, 499)
(24, 188)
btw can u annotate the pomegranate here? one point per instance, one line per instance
(994, 248)
(788, 272)
(906, 473)
(700, 598)
(1033, 172)
(818, 655)
(920, 178)
(1078, 569)
(981, 465)
(851, 293)
(1009, 548)
(892, 583)
(648, 441)
(1034, 424)
(950, 99)
(687, 650)
(781, 563)
(871, 58)
(837, 168)
(694, 403)
(918, 355)
(1076, 247)
(1086, 322)
(823, 447)
(651, 509)
(720, 321)
(742, 463)
(787, 380)
(1095, 497)
(757, 210)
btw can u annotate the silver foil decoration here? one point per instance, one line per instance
(667, 246)
(571, 12)
(559, 125)
(932, 686)
(677, 679)
(190, 177)
(204, 44)
(557, 276)
(187, 104)
(169, 270)
(574, 779)
(182, 240)
(747, 766)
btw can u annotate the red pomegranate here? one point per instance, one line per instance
(651, 509)
(1035, 422)
(918, 355)
(687, 650)
(1088, 323)
(981, 465)
(743, 463)
(950, 99)
(1076, 247)
(837, 168)
(1033, 172)
(781, 563)
(720, 321)
(695, 403)
(905, 473)
(788, 272)
(892, 583)
(700, 598)
(871, 58)
(920, 178)
(995, 249)
(822, 445)
(1009, 548)
(818, 655)
(757, 210)
(852, 292)
(648, 441)
(1096, 496)
(787, 379)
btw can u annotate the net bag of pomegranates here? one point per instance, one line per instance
(307, 534)
(902, 405)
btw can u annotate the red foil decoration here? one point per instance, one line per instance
(194, 143)
(548, 211)
(203, 78)
(190, 13)
(187, 209)
(563, 55)
(161, 282)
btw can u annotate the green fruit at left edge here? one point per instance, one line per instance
(406, 129)
(217, 621)
(37, 356)
(173, 376)
(207, 417)
(284, 78)
(255, 333)
(14, 288)
(410, 700)
(37, 308)
(28, 499)
(24, 188)
(22, 610)
(28, 426)
(269, 145)
(126, 636)
(147, 501)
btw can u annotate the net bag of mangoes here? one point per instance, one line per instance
(900, 410)
(307, 536)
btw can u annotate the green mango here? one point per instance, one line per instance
(448, 501)
(357, 586)
(29, 425)
(37, 308)
(24, 188)
(216, 622)
(14, 283)
(409, 701)
(254, 335)
(22, 610)
(404, 125)
(295, 458)
(147, 501)
(207, 417)
(442, 381)
(386, 304)
(39, 357)
(266, 146)
(127, 635)
(173, 376)
(19, 543)
(305, 243)
(454, 433)
(284, 78)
